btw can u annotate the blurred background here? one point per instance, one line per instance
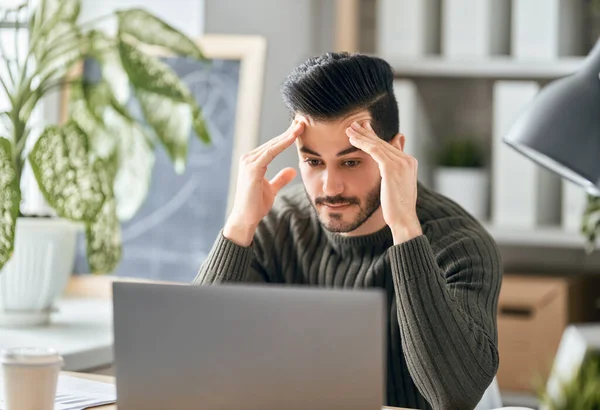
(464, 71)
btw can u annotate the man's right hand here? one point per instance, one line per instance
(254, 195)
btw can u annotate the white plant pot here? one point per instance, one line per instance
(466, 186)
(38, 271)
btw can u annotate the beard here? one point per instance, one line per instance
(336, 222)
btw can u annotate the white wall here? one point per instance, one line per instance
(295, 30)
(185, 15)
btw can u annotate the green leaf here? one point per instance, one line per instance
(105, 51)
(49, 12)
(122, 142)
(103, 235)
(58, 10)
(590, 222)
(150, 74)
(147, 28)
(60, 51)
(100, 98)
(53, 21)
(199, 124)
(171, 121)
(111, 164)
(101, 143)
(10, 198)
(61, 167)
(135, 162)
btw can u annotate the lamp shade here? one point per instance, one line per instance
(560, 128)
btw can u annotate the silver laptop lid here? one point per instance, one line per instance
(248, 347)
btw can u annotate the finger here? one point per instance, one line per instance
(282, 178)
(266, 156)
(367, 132)
(373, 148)
(286, 138)
(281, 136)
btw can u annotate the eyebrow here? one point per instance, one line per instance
(347, 151)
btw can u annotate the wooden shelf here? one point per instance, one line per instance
(503, 67)
(554, 237)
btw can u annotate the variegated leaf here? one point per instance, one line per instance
(103, 235)
(60, 51)
(199, 124)
(49, 12)
(117, 138)
(148, 29)
(136, 160)
(106, 52)
(171, 121)
(10, 198)
(61, 167)
(150, 74)
(101, 142)
(61, 10)
(55, 31)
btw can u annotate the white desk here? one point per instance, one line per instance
(81, 331)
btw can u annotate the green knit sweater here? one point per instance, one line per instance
(442, 289)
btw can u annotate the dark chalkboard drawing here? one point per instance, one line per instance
(173, 231)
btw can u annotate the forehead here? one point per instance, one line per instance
(331, 133)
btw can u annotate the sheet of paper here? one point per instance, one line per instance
(74, 393)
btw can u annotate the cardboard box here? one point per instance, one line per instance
(533, 312)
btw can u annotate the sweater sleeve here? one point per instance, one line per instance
(446, 288)
(229, 262)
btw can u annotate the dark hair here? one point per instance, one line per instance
(333, 85)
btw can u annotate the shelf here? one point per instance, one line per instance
(554, 237)
(503, 67)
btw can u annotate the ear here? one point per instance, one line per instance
(398, 141)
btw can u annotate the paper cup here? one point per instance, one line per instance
(30, 376)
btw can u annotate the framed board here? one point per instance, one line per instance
(172, 233)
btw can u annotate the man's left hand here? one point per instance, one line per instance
(398, 180)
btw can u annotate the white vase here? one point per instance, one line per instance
(38, 271)
(468, 187)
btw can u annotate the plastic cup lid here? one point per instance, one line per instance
(30, 356)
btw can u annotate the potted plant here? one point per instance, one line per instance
(93, 170)
(581, 392)
(460, 174)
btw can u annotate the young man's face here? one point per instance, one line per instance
(343, 183)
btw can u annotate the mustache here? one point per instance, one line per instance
(338, 199)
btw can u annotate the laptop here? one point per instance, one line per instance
(248, 347)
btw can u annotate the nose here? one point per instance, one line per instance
(332, 183)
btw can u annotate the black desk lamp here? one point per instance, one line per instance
(560, 129)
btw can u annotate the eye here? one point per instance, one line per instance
(313, 162)
(351, 163)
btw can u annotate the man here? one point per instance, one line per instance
(361, 220)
